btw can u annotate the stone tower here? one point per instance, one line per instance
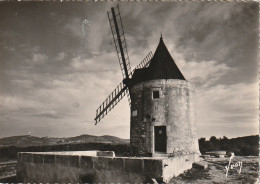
(162, 109)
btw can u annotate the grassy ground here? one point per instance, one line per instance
(216, 173)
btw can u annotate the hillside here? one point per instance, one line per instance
(243, 146)
(27, 140)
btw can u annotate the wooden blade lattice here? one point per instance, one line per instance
(119, 40)
(144, 63)
(111, 101)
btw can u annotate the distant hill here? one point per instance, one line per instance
(27, 140)
(243, 146)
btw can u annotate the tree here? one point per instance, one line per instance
(213, 139)
(224, 138)
(202, 140)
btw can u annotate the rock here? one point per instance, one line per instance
(217, 153)
(106, 154)
(200, 165)
(221, 156)
(205, 156)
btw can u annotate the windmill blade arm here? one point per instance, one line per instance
(118, 34)
(119, 92)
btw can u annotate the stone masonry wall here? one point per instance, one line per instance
(72, 168)
(77, 167)
(175, 109)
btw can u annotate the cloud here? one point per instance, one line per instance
(73, 26)
(50, 115)
(39, 58)
(61, 56)
(9, 102)
(102, 62)
(200, 73)
(22, 83)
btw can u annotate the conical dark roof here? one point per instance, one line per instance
(162, 66)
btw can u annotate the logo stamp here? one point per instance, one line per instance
(233, 166)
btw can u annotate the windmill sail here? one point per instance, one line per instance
(144, 63)
(119, 40)
(119, 92)
(111, 101)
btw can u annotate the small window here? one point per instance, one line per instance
(134, 113)
(156, 94)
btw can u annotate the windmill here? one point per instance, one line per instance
(161, 100)
(123, 88)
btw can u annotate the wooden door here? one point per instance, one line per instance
(160, 138)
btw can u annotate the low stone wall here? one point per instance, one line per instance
(175, 166)
(78, 167)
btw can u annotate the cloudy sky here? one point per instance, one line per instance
(56, 68)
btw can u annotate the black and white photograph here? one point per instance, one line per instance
(129, 92)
